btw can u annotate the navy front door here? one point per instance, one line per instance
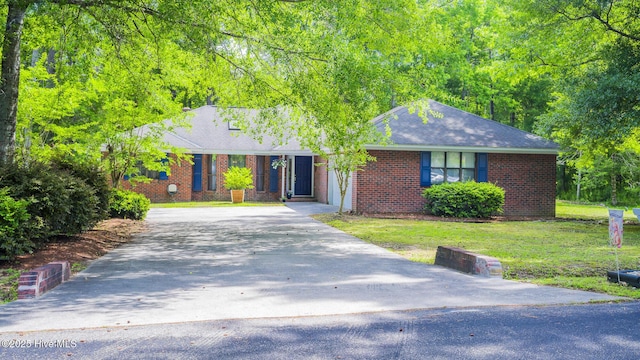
(196, 182)
(303, 175)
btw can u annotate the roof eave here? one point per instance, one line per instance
(248, 152)
(474, 149)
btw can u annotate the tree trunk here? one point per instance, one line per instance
(578, 185)
(614, 179)
(614, 189)
(10, 80)
(341, 180)
(492, 110)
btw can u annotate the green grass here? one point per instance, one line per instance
(567, 253)
(9, 285)
(569, 210)
(77, 267)
(192, 204)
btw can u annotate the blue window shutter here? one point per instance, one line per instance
(196, 184)
(273, 176)
(163, 174)
(483, 165)
(425, 168)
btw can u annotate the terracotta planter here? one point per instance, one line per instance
(237, 196)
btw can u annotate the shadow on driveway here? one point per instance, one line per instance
(256, 262)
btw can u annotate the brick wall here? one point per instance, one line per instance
(392, 183)
(529, 182)
(42, 279)
(222, 194)
(156, 190)
(181, 175)
(389, 185)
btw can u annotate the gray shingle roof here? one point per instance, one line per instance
(452, 129)
(210, 134)
(457, 129)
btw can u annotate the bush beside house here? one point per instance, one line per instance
(464, 199)
(126, 204)
(62, 202)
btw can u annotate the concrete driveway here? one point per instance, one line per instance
(256, 262)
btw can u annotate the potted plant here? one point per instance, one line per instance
(238, 179)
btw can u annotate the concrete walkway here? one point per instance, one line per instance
(256, 262)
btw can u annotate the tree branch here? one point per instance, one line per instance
(594, 14)
(610, 27)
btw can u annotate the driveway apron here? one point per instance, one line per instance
(196, 264)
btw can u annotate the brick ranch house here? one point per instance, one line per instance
(451, 146)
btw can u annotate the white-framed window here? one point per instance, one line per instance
(437, 167)
(452, 166)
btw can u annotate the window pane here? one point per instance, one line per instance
(468, 160)
(212, 164)
(260, 161)
(437, 175)
(212, 172)
(237, 160)
(453, 175)
(143, 171)
(468, 174)
(437, 159)
(453, 160)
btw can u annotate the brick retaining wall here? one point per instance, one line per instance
(42, 279)
(468, 262)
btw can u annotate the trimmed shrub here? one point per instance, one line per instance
(93, 176)
(126, 204)
(14, 226)
(83, 210)
(464, 199)
(61, 202)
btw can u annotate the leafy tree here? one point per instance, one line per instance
(16, 11)
(218, 32)
(84, 103)
(352, 63)
(483, 72)
(590, 49)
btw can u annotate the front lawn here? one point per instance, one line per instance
(567, 253)
(570, 210)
